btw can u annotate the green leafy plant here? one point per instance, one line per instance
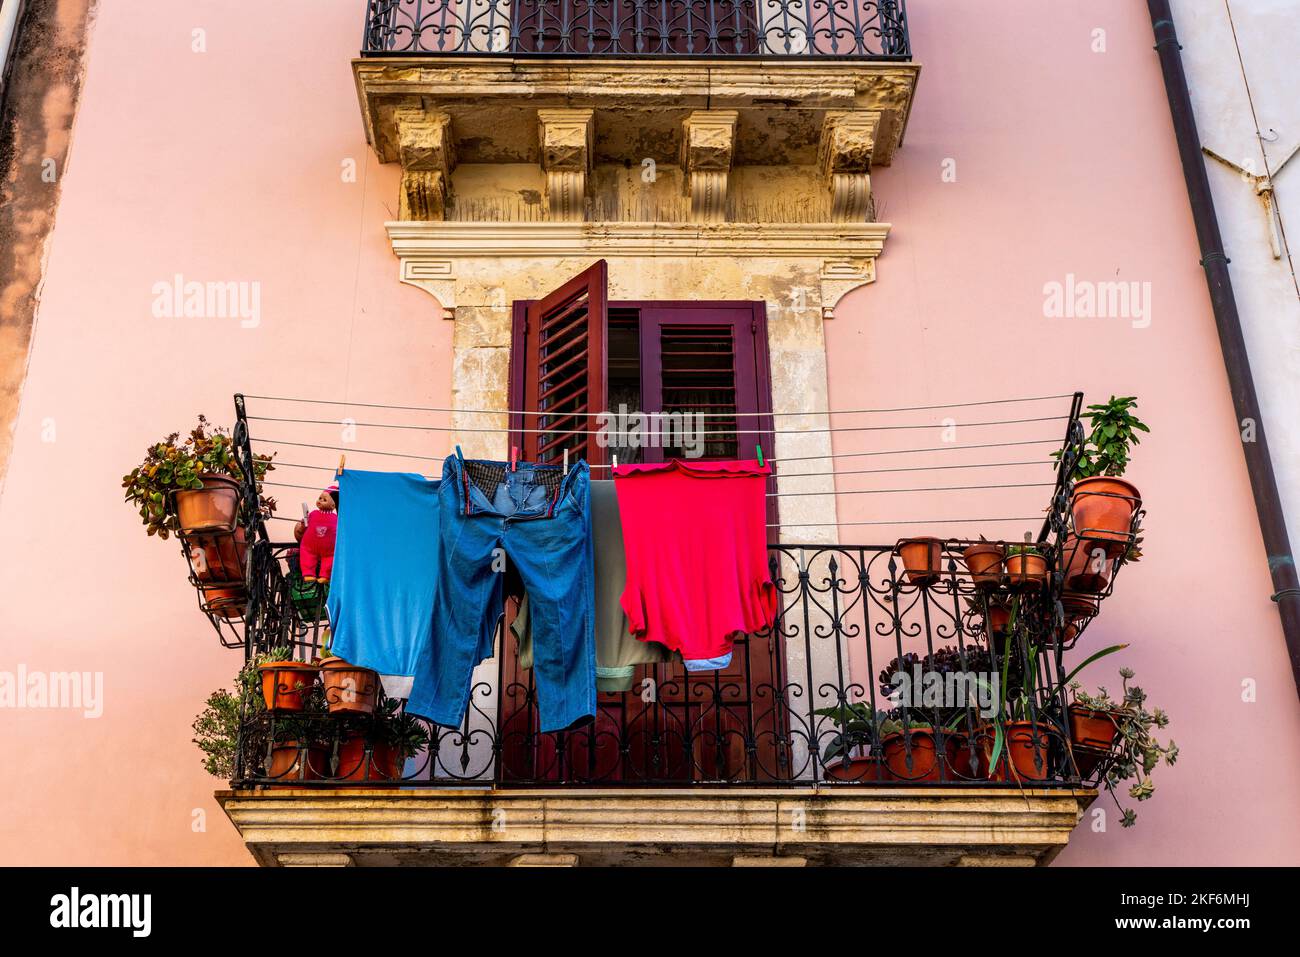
(174, 465)
(854, 722)
(216, 728)
(403, 732)
(1138, 750)
(1022, 550)
(1114, 433)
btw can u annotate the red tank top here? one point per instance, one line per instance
(695, 536)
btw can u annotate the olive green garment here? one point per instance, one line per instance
(617, 652)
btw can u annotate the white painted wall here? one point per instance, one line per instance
(1242, 67)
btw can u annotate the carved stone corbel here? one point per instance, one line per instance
(567, 138)
(708, 149)
(427, 154)
(839, 277)
(844, 155)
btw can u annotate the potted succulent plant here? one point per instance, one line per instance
(984, 559)
(193, 484)
(1103, 504)
(1122, 732)
(1025, 565)
(922, 558)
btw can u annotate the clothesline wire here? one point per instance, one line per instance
(419, 408)
(867, 491)
(724, 432)
(784, 475)
(786, 458)
(929, 521)
(917, 522)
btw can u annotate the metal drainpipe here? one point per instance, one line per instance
(1272, 522)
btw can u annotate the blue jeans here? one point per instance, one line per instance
(541, 521)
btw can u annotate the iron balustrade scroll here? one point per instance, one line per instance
(814, 699)
(865, 29)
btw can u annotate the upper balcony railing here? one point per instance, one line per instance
(794, 29)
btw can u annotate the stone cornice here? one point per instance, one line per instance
(452, 240)
(826, 825)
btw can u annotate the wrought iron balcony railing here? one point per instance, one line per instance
(813, 699)
(863, 29)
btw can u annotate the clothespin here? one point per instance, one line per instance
(514, 458)
(615, 460)
(759, 449)
(338, 473)
(565, 473)
(460, 456)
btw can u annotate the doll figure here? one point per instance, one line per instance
(316, 547)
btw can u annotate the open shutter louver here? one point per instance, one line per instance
(565, 370)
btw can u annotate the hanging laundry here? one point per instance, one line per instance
(541, 520)
(695, 536)
(618, 653)
(385, 575)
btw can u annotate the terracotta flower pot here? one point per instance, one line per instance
(291, 762)
(355, 765)
(925, 762)
(921, 557)
(1092, 728)
(213, 507)
(286, 685)
(1100, 514)
(219, 558)
(1087, 565)
(1078, 606)
(225, 601)
(348, 688)
(957, 746)
(1026, 570)
(1018, 749)
(985, 563)
(998, 620)
(856, 769)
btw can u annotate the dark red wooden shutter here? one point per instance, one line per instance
(711, 359)
(564, 370)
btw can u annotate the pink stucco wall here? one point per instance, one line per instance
(227, 165)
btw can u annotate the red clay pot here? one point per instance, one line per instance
(1091, 728)
(286, 685)
(219, 558)
(985, 563)
(353, 765)
(921, 557)
(856, 769)
(226, 601)
(215, 506)
(348, 689)
(959, 763)
(1018, 748)
(925, 762)
(998, 620)
(1087, 565)
(286, 760)
(1025, 571)
(1098, 514)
